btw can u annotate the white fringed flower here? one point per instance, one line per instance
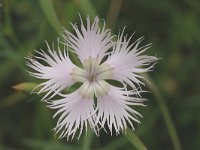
(96, 102)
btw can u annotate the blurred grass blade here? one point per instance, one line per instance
(88, 140)
(12, 99)
(8, 28)
(165, 113)
(49, 11)
(25, 86)
(135, 141)
(113, 13)
(6, 68)
(47, 145)
(148, 122)
(116, 144)
(2, 147)
(86, 7)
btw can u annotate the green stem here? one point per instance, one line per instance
(134, 140)
(8, 27)
(88, 141)
(165, 112)
(116, 144)
(49, 11)
(113, 13)
(86, 7)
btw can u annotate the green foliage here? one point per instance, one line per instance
(171, 118)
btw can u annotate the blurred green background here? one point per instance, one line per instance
(171, 119)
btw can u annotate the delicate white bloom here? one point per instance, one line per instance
(96, 102)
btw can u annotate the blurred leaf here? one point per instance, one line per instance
(5, 69)
(113, 13)
(116, 144)
(6, 48)
(26, 86)
(12, 99)
(70, 10)
(8, 29)
(47, 145)
(49, 11)
(88, 141)
(134, 140)
(148, 122)
(165, 112)
(86, 7)
(43, 122)
(7, 148)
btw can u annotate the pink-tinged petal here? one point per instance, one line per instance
(53, 67)
(114, 108)
(127, 62)
(90, 40)
(76, 112)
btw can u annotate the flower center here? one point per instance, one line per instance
(93, 75)
(92, 71)
(91, 66)
(92, 78)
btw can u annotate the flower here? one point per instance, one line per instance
(97, 103)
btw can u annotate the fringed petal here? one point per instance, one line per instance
(127, 62)
(115, 108)
(76, 113)
(90, 40)
(53, 67)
